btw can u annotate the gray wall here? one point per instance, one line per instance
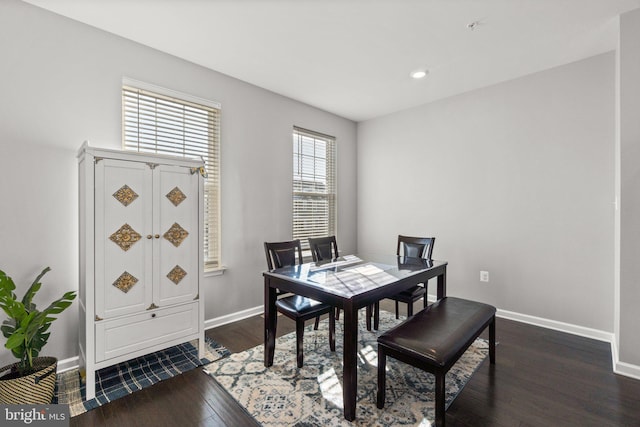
(516, 179)
(629, 73)
(60, 85)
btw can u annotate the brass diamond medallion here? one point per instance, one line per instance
(125, 237)
(176, 274)
(176, 234)
(125, 195)
(125, 282)
(176, 196)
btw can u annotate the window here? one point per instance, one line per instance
(314, 185)
(157, 120)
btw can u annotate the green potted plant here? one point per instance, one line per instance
(32, 379)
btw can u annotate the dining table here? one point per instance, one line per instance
(349, 282)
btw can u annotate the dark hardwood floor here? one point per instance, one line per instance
(541, 378)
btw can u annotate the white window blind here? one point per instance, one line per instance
(177, 124)
(314, 185)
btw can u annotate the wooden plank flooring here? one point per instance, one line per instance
(541, 378)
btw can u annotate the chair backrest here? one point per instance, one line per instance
(415, 247)
(282, 254)
(323, 248)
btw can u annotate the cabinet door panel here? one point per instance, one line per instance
(176, 215)
(123, 203)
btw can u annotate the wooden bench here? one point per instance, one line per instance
(434, 339)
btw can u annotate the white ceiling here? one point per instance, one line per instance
(353, 57)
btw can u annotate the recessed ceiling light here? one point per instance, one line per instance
(418, 74)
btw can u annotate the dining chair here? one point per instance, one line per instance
(413, 247)
(296, 307)
(323, 248)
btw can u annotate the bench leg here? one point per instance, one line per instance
(410, 309)
(382, 377)
(440, 399)
(368, 317)
(492, 341)
(397, 310)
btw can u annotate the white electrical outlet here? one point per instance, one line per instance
(484, 276)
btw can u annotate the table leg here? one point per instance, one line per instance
(350, 374)
(269, 322)
(442, 285)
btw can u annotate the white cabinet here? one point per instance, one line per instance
(141, 257)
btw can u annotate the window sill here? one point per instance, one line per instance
(215, 272)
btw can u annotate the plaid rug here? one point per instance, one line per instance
(116, 381)
(283, 395)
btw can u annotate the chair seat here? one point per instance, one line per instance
(409, 295)
(298, 306)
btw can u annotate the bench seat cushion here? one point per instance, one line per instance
(436, 334)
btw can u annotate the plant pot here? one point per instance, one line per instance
(35, 388)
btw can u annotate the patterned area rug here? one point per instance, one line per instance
(284, 395)
(127, 377)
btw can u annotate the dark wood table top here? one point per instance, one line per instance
(352, 276)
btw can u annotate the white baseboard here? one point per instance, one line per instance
(68, 364)
(627, 369)
(233, 317)
(569, 328)
(623, 368)
(557, 326)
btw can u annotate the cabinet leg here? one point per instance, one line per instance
(201, 347)
(90, 380)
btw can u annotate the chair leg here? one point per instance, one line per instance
(492, 341)
(376, 315)
(337, 313)
(299, 346)
(409, 309)
(440, 399)
(368, 317)
(315, 325)
(332, 331)
(397, 310)
(382, 377)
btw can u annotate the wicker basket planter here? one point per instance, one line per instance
(36, 388)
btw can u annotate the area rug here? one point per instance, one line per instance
(283, 395)
(127, 377)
